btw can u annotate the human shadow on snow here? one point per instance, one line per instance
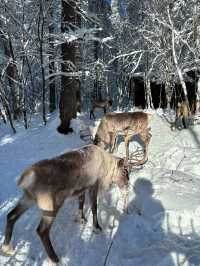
(142, 240)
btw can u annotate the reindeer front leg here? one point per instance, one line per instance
(92, 113)
(93, 198)
(113, 139)
(81, 199)
(126, 141)
(145, 137)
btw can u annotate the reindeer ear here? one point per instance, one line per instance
(120, 162)
(126, 163)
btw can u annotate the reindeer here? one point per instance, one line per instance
(3, 116)
(182, 115)
(125, 124)
(48, 183)
(104, 104)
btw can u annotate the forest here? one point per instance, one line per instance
(100, 132)
(138, 53)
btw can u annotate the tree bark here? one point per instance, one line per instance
(148, 96)
(180, 75)
(12, 75)
(52, 85)
(41, 43)
(70, 85)
(6, 107)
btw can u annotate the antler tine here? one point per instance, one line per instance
(134, 160)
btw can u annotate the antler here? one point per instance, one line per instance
(86, 135)
(135, 157)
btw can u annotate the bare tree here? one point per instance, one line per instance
(6, 106)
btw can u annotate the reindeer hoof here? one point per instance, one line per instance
(52, 263)
(7, 250)
(81, 220)
(97, 229)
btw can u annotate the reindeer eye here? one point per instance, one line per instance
(120, 163)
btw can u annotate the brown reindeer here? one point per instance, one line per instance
(3, 116)
(49, 182)
(126, 124)
(182, 115)
(104, 104)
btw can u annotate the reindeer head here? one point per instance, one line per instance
(109, 103)
(121, 175)
(102, 141)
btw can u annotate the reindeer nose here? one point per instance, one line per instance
(126, 173)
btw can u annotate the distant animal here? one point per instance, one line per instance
(3, 116)
(127, 124)
(104, 104)
(48, 183)
(182, 115)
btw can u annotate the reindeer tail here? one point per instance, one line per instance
(150, 116)
(26, 179)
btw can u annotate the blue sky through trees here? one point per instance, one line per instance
(121, 5)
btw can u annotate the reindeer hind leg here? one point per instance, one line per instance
(146, 139)
(23, 205)
(93, 198)
(49, 207)
(81, 217)
(43, 232)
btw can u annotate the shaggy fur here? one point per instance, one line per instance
(182, 114)
(49, 182)
(127, 124)
(104, 104)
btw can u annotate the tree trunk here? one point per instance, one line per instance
(176, 60)
(52, 85)
(70, 85)
(12, 75)
(196, 45)
(41, 40)
(148, 96)
(6, 107)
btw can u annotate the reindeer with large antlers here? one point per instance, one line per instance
(126, 124)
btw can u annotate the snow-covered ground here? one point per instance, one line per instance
(162, 226)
